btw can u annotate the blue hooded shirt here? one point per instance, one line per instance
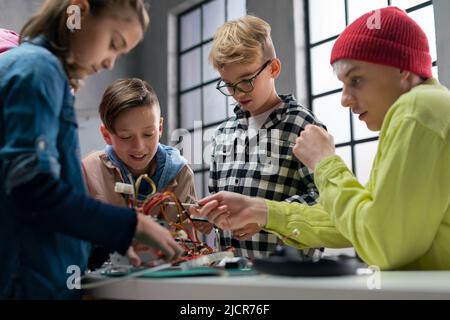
(169, 163)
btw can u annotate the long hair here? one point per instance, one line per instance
(50, 21)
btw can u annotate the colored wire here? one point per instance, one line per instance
(137, 185)
(160, 199)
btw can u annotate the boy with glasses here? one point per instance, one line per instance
(252, 151)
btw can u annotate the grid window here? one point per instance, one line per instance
(216, 110)
(209, 73)
(323, 77)
(190, 69)
(357, 8)
(435, 72)
(201, 108)
(190, 108)
(190, 29)
(405, 4)
(213, 17)
(354, 142)
(336, 118)
(364, 155)
(346, 154)
(425, 19)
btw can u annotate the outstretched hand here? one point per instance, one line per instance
(231, 211)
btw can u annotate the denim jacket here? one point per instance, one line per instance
(38, 136)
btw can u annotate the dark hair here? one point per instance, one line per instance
(125, 94)
(50, 21)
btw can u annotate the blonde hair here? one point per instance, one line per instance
(125, 94)
(50, 21)
(242, 41)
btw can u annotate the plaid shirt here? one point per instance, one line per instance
(262, 165)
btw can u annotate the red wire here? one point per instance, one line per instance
(159, 199)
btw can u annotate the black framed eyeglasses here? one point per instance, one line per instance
(245, 85)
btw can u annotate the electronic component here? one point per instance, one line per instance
(124, 188)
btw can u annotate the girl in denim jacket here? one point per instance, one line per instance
(47, 222)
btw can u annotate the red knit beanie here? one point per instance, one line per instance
(386, 36)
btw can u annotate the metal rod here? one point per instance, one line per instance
(186, 205)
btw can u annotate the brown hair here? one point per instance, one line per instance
(50, 21)
(125, 94)
(242, 41)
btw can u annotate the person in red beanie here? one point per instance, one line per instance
(401, 218)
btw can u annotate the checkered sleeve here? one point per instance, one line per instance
(311, 193)
(213, 172)
(262, 166)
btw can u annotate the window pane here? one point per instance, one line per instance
(406, 4)
(191, 108)
(206, 182)
(207, 148)
(236, 9)
(191, 148)
(198, 177)
(213, 17)
(231, 104)
(336, 118)
(364, 155)
(323, 77)
(435, 72)
(190, 29)
(346, 154)
(215, 107)
(425, 18)
(360, 130)
(190, 69)
(209, 73)
(327, 19)
(357, 8)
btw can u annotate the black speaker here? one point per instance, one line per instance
(288, 261)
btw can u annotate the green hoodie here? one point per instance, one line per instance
(401, 218)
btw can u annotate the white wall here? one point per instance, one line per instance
(441, 12)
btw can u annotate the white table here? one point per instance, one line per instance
(391, 285)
